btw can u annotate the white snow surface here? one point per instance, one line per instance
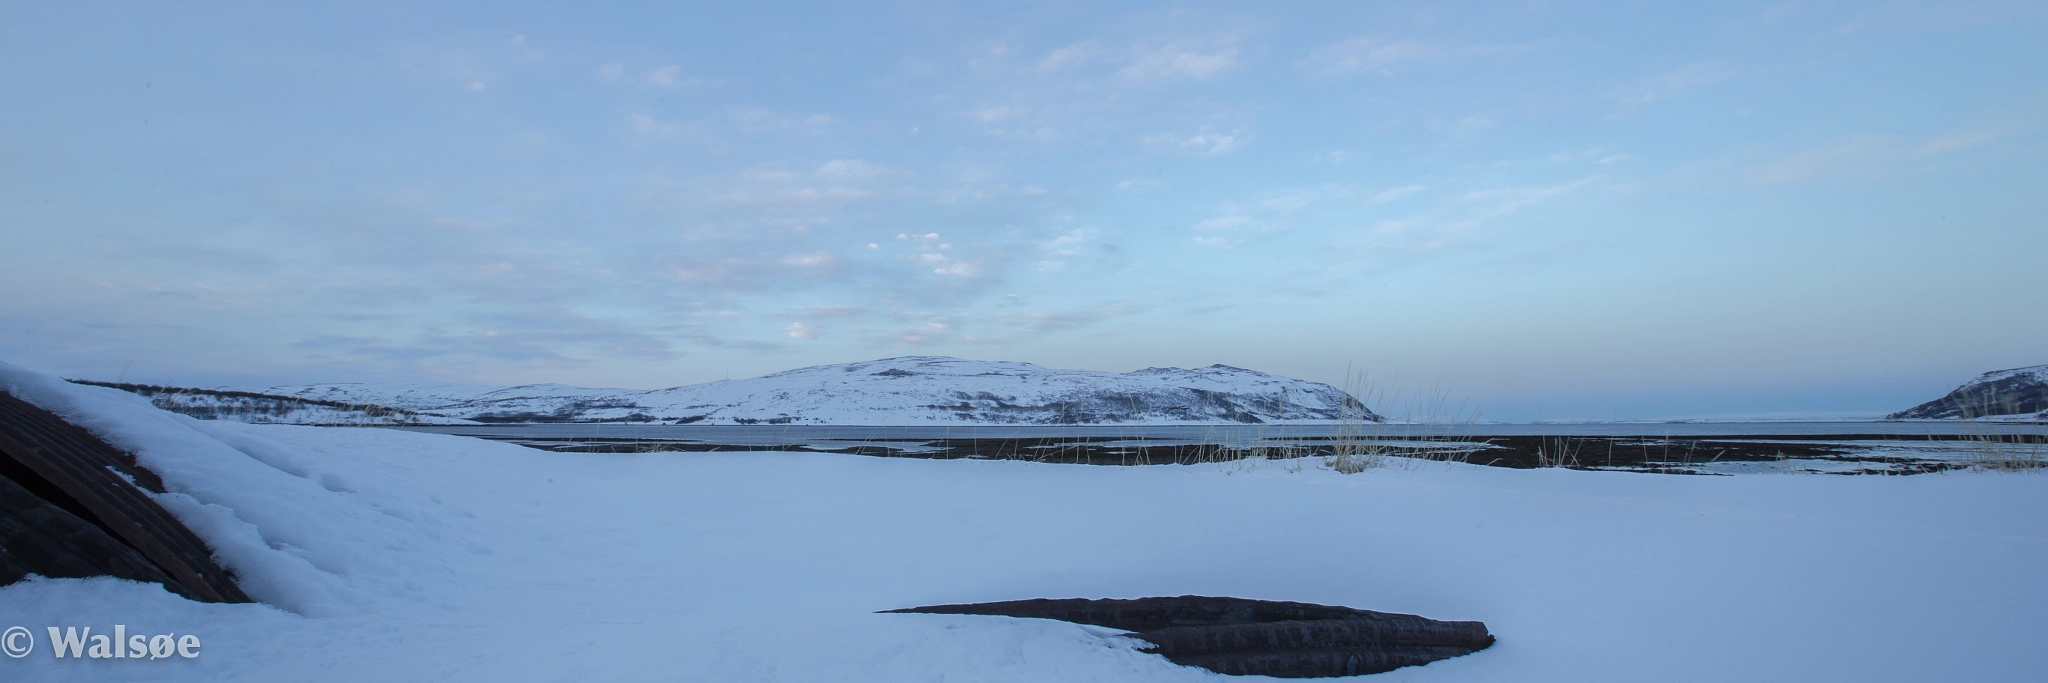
(914, 390)
(395, 556)
(2038, 372)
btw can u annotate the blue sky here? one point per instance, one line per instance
(1545, 210)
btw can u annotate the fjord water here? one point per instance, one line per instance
(768, 435)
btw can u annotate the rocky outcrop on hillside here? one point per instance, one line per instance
(1999, 393)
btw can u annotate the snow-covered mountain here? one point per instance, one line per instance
(914, 390)
(2015, 392)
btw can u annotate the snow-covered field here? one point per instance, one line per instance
(395, 556)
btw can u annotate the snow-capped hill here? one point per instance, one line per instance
(893, 391)
(2015, 392)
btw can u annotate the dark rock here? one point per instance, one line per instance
(1258, 637)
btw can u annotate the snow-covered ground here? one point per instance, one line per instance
(394, 556)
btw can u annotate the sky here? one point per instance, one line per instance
(1536, 210)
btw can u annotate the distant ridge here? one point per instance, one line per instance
(1999, 393)
(912, 390)
(260, 408)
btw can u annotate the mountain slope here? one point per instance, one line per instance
(894, 391)
(2019, 391)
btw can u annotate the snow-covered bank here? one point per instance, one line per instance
(406, 556)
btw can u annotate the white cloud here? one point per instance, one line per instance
(943, 265)
(801, 330)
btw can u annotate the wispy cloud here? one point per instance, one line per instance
(1363, 54)
(1370, 55)
(1671, 84)
(1222, 223)
(1181, 59)
(1953, 142)
(1039, 323)
(1501, 201)
(1081, 244)
(764, 121)
(662, 76)
(647, 126)
(1864, 152)
(1203, 142)
(1595, 155)
(1396, 194)
(1068, 56)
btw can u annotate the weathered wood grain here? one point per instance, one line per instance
(82, 475)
